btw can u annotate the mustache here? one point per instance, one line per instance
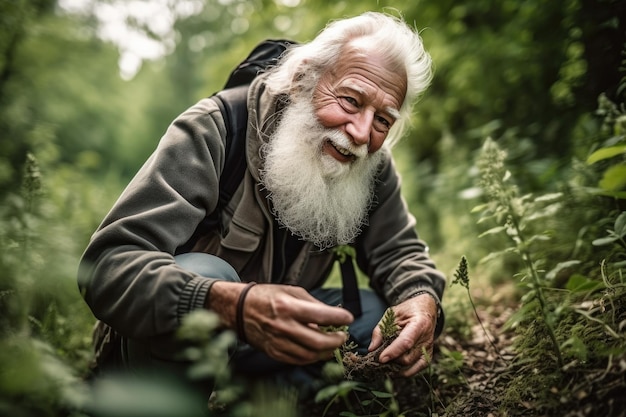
(341, 140)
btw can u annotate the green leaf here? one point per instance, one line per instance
(614, 178)
(479, 207)
(493, 231)
(454, 354)
(326, 393)
(496, 254)
(382, 394)
(620, 225)
(621, 264)
(576, 347)
(580, 283)
(549, 197)
(536, 238)
(604, 240)
(559, 267)
(339, 390)
(605, 153)
(524, 313)
(615, 194)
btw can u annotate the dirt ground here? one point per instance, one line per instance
(482, 376)
(491, 368)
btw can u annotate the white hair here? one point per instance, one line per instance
(302, 65)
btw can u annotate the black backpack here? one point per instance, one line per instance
(232, 101)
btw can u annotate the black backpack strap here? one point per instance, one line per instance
(350, 288)
(233, 105)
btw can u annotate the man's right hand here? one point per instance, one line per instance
(282, 320)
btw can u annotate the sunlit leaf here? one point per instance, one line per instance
(606, 153)
(614, 178)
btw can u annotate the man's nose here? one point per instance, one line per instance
(360, 127)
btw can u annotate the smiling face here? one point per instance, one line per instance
(361, 96)
(320, 163)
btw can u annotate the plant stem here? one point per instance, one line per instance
(491, 342)
(537, 284)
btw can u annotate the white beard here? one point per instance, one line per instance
(316, 197)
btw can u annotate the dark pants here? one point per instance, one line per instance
(247, 360)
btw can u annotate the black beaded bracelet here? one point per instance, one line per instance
(241, 332)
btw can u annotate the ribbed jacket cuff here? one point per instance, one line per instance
(194, 295)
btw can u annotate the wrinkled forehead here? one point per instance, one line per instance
(362, 58)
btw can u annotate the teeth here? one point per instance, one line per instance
(343, 151)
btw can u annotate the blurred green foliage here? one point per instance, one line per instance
(76, 124)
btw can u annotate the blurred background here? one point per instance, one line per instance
(87, 87)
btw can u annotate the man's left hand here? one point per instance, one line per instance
(417, 318)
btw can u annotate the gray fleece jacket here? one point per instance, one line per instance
(128, 276)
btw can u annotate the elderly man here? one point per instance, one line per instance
(319, 175)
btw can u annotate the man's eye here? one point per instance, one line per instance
(350, 100)
(383, 122)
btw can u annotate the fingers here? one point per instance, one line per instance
(414, 345)
(284, 322)
(402, 345)
(295, 343)
(320, 313)
(415, 367)
(377, 339)
(294, 352)
(298, 304)
(414, 357)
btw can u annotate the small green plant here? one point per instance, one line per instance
(361, 399)
(339, 392)
(35, 378)
(461, 277)
(368, 387)
(207, 347)
(388, 327)
(367, 367)
(514, 214)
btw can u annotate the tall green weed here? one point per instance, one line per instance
(571, 245)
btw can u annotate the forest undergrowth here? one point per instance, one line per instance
(534, 328)
(547, 341)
